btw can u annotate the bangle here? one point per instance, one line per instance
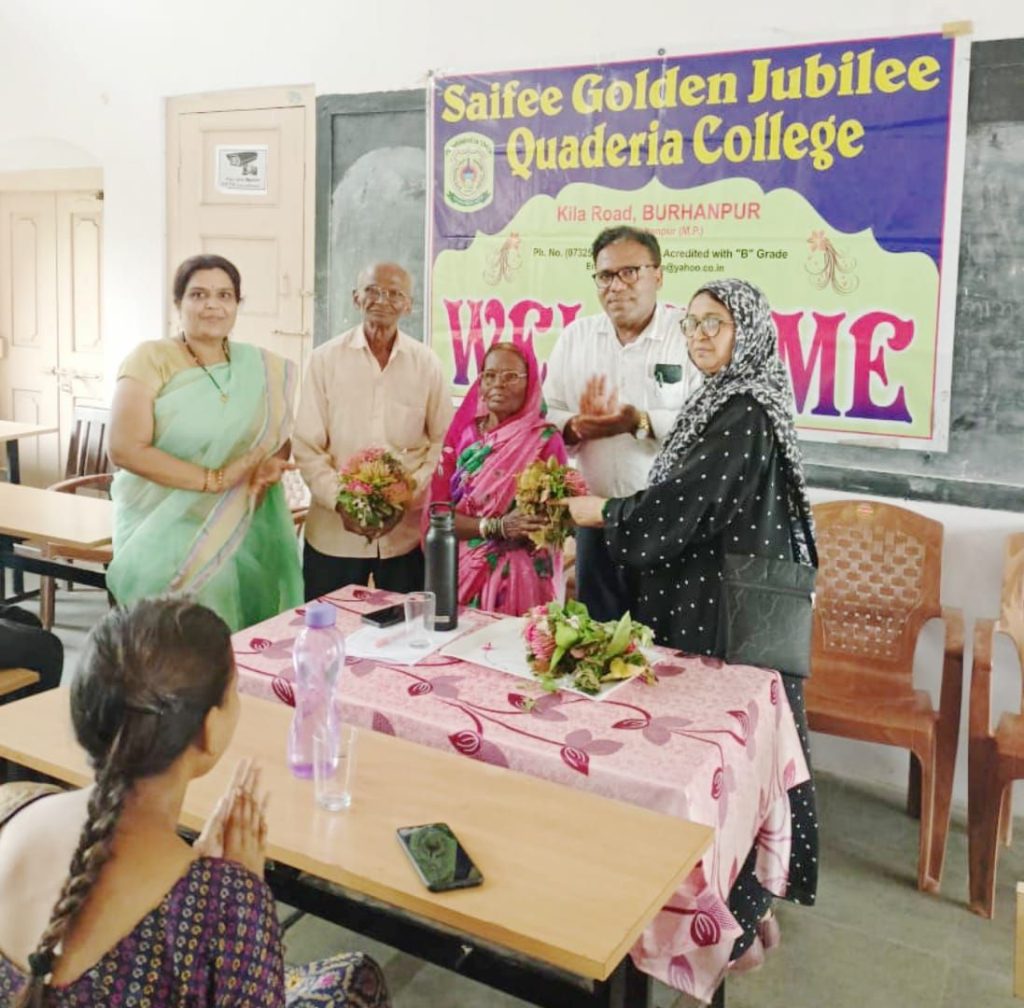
(219, 476)
(483, 528)
(206, 481)
(501, 528)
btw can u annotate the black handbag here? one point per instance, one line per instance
(766, 612)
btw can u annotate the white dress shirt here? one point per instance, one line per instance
(618, 466)
(350, 403)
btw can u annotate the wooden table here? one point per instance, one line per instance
(709, 743)
(571, 878)
(11, 433)
(46, 516)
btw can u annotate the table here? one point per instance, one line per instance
(11, 432)
(712, 743)
(47, 516)
(557, 887)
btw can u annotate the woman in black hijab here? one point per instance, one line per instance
(728, 479)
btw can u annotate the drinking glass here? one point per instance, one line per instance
(419, 618)
(332, 767)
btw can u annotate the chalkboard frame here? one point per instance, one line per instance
(328, 109)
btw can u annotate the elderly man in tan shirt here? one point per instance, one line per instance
(370, 387)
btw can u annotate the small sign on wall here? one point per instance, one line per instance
(241, 169)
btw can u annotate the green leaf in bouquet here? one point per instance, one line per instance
(620, 636)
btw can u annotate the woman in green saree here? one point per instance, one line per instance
(200, 429)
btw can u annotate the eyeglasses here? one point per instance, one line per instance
(501, 377)
(395, 298)
(709, 325)
(628, 275)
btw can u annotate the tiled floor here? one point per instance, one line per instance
(873, 941)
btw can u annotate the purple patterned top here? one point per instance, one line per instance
(212, 941)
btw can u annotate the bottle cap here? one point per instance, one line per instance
(442, 514)
(319, 615)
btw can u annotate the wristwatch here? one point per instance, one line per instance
(643, 426)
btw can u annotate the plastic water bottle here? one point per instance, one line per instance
(318, 654)
(441, 553)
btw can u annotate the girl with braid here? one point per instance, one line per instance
(140, 919)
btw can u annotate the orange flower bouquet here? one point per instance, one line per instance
(374, 489)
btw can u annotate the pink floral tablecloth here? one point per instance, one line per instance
(710, 742)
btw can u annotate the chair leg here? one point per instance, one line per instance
(926, 761)
(47, 601)
(984, 802)
(1006, 818)
(914, 788)
(945, 765)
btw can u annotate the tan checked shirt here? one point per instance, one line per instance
(349, 403)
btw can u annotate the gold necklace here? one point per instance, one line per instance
(227, 357)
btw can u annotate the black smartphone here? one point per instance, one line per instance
(388, 616)
(440, 860)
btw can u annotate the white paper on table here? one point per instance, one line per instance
(500, 645)
(391, 644)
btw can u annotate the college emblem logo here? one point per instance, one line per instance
(468, 172)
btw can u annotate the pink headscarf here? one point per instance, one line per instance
(498, 575)
(514, 445)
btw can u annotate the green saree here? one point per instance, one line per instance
(240, 561)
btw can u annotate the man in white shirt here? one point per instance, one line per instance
(615, 383)
(370, 387)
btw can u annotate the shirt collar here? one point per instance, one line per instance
(654, 330)
(359, 341)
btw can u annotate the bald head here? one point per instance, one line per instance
(386, 275)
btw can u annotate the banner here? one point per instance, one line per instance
(829, 175)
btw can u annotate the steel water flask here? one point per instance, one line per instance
(441, 552)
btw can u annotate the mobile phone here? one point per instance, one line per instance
(388, 616)
(440, 860)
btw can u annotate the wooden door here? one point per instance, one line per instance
(238, 188)
(29, 379)
(80, 335)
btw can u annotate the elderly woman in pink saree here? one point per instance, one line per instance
(497, 432)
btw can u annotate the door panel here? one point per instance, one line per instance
(80, 351)
(28, 326)
(262, 230)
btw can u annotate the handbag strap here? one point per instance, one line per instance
(805, 525)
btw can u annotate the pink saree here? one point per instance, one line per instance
(477, 472)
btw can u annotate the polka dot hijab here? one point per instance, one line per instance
(755, 370)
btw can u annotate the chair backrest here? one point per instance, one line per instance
(878, 583)
(1011, 609)
(87, 451)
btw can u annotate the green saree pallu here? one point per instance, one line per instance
(239, 560)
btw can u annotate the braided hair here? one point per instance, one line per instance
(147, 679)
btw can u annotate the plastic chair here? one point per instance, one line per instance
(878, 584)
(994, 759)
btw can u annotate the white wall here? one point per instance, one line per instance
(83, 83)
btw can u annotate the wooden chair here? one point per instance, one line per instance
(98, 483)
(87, 449)
(89, 469)
(994, 759)
(878, 584)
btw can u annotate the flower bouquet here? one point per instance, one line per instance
(540, 488)
(562, 640)
(374, 489)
